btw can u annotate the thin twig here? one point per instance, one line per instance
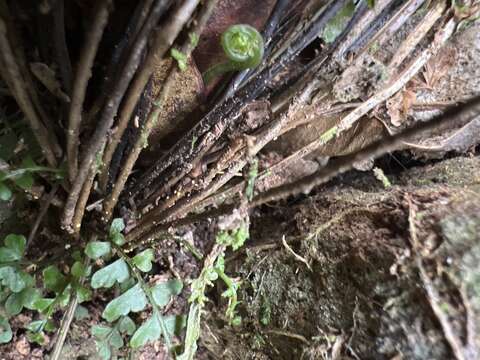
(27, 80)
(416, 35)
(207, 178)
(361, 26)
(289, 335)
(347, 122)
(432, 293)
(391, 26)
(461, 113)
(43, 210)
(67, 320)
(64, 327)
(173, 28)
(434, 299)
(82, 201)
(295, 255)
(83, 74)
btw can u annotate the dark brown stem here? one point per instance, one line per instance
(148, 21)
(98, 138)
(120, 55)
(173, 28)
(60, 45)
(163, 40)
(83, 74)
(82, 201)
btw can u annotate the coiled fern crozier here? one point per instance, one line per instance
(243, 45)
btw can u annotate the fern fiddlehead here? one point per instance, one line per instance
(243, 45)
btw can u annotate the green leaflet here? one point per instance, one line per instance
(162, 292)
(252, 176)
(193, 332)
(39, 325)
(53, 279)
(81, 312)
(79, 270)
(103, 349)
(42, 304)
(149, 331)
(118, 239)
(36, 325)
(107, 276)
(101, 332)
(175, 323)
(17, 301)
(64, 296)
(13, 249)
(116, 229)
(14, 304)
(12, 279)
(36, 337)
(194, 38)
(83, 293)
(181, 59)
(234, 238)
(143, 260)
(336, 25)
(5, 331)
(97, 249)
(133, 300)
(24, 181)
(126, 325)
(5, 192)
(106, 339)
(117, 226)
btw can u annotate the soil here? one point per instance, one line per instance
(354, 290)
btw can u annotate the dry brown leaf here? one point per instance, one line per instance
(409, 98)
(47, 77)
(458, 140)
(398, 106)
(437, 67)
(394, 109)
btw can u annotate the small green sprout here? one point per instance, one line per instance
(244, 47)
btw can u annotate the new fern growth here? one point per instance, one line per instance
(243, 45)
